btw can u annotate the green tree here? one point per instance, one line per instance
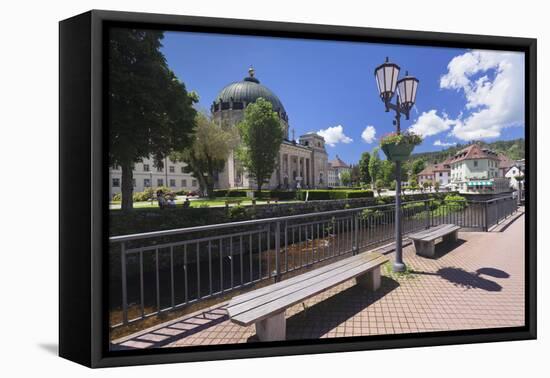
(207, 155)
(427, 184)
(345, 178)
(387, 169)
(374, 165)
(417, 166)
(261, 135)
(436, 186)
(150, 113)
(364, 175)
(355, 175)
(413, 182)
(379, 184)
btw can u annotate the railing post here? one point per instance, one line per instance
(124, 283)
(355, 234)
(427, 210)
(277, 251)
(486, 216)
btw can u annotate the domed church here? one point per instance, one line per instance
(302, 163)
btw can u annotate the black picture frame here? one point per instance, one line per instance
(83, 174)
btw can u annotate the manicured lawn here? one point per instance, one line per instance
(210, 202)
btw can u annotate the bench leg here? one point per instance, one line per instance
(272, 328)
(452, 237)
(370, 280)
(425, 248)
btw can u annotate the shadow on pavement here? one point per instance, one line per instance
(324, 316)
(469, 280)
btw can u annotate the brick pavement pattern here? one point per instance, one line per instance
(475, 283)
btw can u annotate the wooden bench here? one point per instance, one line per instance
(424, 241)
(265, 307)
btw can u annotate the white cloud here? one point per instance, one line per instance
(444, 144)
(430, 123)
(334, 135)
(369, 134)
(495, 100)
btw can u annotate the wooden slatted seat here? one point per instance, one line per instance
(424, 241)
(265, 307)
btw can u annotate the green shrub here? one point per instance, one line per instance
(146, 195)
(236, 193)
(338, 194)
(360, 194)
(283, 195)
(117, 197)
(455, 202)
(237, 212)
(323, 194)
(313, 195)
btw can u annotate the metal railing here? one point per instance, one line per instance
(154, 272)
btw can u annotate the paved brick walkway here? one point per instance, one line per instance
(475, 283)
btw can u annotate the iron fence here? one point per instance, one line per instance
(151, 273)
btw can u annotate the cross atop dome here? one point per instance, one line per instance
(251, 74)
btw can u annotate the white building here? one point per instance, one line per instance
(301, 163)
(147, 175)
(335, 169)
(513, 172)
(440, 172)
(476, 170)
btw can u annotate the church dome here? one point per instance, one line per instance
(239, 94)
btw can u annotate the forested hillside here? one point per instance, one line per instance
(514, 149)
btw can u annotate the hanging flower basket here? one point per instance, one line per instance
(398, 147)
(397, 152)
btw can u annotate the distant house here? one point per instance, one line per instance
(335, 169)
(504, 165)
(513, 172)
(433, 173)
(475, 169)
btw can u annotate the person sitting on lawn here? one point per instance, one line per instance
(160, 198)
(171, 202)
(186, 203)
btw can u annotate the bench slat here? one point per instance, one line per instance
(235, 309)
(434, 233)
(264, 311)
(439, 233)
(302, 277)
(428, 231)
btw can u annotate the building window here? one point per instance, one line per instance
(440, 174)
(160, 182)
(146, 167)
(194, 183)
(159, 169)
(172, 182)
(172, 169)
(146, 183)
(134, 182)
(184, 183)
(475, 163)
(182, 169)
(116, 182)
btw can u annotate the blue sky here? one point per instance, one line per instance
(329, 87)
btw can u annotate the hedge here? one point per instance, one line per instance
(320, 194)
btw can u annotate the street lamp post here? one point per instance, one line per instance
(388, 84)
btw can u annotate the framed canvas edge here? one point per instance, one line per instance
(100, 357)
